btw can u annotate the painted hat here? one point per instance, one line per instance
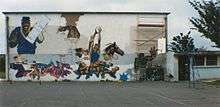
(25, 19)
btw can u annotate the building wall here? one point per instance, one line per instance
(208, 72)
(201, 72)
(171, 66)
(115, 28)
(218, 60)
(56, 55)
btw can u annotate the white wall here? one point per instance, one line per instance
(201, 72)
(172, 66)
(119, 28)
(207, 72)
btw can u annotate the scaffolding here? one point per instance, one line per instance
(149, 31)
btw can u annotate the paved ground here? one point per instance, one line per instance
(96, 94)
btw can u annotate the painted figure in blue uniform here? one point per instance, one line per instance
(94, 60)
(95, 54)
(18, 38)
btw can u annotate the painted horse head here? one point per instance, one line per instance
(112, 48)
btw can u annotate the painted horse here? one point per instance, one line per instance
(95, 66)
(110, 51)
(104, 68)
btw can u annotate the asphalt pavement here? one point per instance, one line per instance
(107, 94)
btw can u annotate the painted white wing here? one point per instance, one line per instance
(37, 28)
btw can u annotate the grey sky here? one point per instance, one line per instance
(178, 21)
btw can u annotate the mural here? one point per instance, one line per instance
(25, 36)
(37, 70)
(78, 47)
(90, 58)
(70, 26)
(88, 64)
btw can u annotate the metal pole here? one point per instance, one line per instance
(166, 33)
(188, 68)
(192, 71)
(7, 50)
(7, 34)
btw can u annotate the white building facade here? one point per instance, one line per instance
(57, 42)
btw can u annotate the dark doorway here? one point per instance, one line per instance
(2, 66)
(183, 68)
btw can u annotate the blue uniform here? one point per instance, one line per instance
(94, 57)
(17, 38)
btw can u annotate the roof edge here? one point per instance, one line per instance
(84, 12)
(200, 52)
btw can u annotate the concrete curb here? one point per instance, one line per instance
(2, 80)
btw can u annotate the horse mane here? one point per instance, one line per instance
(109, 45)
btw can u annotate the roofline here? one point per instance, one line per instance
(84, 12)
(200, 53)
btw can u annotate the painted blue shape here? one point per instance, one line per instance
(23, 45)
(41, 65)
(94, 57)
(123, 76)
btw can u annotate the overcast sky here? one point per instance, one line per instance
(178, 20)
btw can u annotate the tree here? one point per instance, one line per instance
(208, 23)
(183, 43)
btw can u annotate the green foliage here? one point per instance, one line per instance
(208, 23)
(183, 43)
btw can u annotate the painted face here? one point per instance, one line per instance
(25, 27)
